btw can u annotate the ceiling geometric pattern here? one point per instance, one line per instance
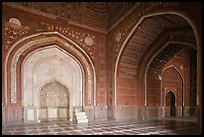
(143, 37)
(103, 16)
(99, 15)
(162, 58)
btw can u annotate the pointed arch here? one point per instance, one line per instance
(47, 38)
(182, 78)
(170, 97)
(173, 12)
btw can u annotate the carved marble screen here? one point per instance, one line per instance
(54, 102)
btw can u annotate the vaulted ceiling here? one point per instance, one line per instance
(162, 58)
(143, 38)
(99, 15)
(104, 15)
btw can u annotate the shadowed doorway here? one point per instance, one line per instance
(170, 104)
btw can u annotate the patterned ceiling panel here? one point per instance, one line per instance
(61, 9)
(99, 15)
(143, 37)
(95, 15)
(117, 10)
(162, 58)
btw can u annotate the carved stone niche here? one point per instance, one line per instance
(54, 102)
(52, 85)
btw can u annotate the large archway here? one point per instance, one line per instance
(129, 41)
(137, 51)
(37, 43)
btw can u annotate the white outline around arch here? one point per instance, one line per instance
(170, 90)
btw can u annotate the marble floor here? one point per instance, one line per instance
(167, 126)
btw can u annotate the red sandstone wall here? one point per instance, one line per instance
(153, 92)
(183, 59)
(127, 91)
(171, 80)
(128, 100)
(102, 70)
(182, 63)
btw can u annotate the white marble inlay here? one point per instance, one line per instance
(62, 113)
(118, 36)
(89, 41)
(30, 114)
(43, 114)
(52, 112)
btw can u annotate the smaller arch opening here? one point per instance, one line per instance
(170, 104)
(54, 102)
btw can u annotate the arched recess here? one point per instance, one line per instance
(54, 102)
(170, 103)
(25, 46)
(44, 66)
(124, 44)
(153, 95)
(147, 57)
(172, 80)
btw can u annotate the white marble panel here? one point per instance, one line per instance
(42, 77)
(30, 114)
(43, 68)
(52, 112)
(62, 113)
(43, 114)
(50, 65)
(54, 62)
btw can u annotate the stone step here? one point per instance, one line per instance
(82, 120)
(81, 117)
(80, 113)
